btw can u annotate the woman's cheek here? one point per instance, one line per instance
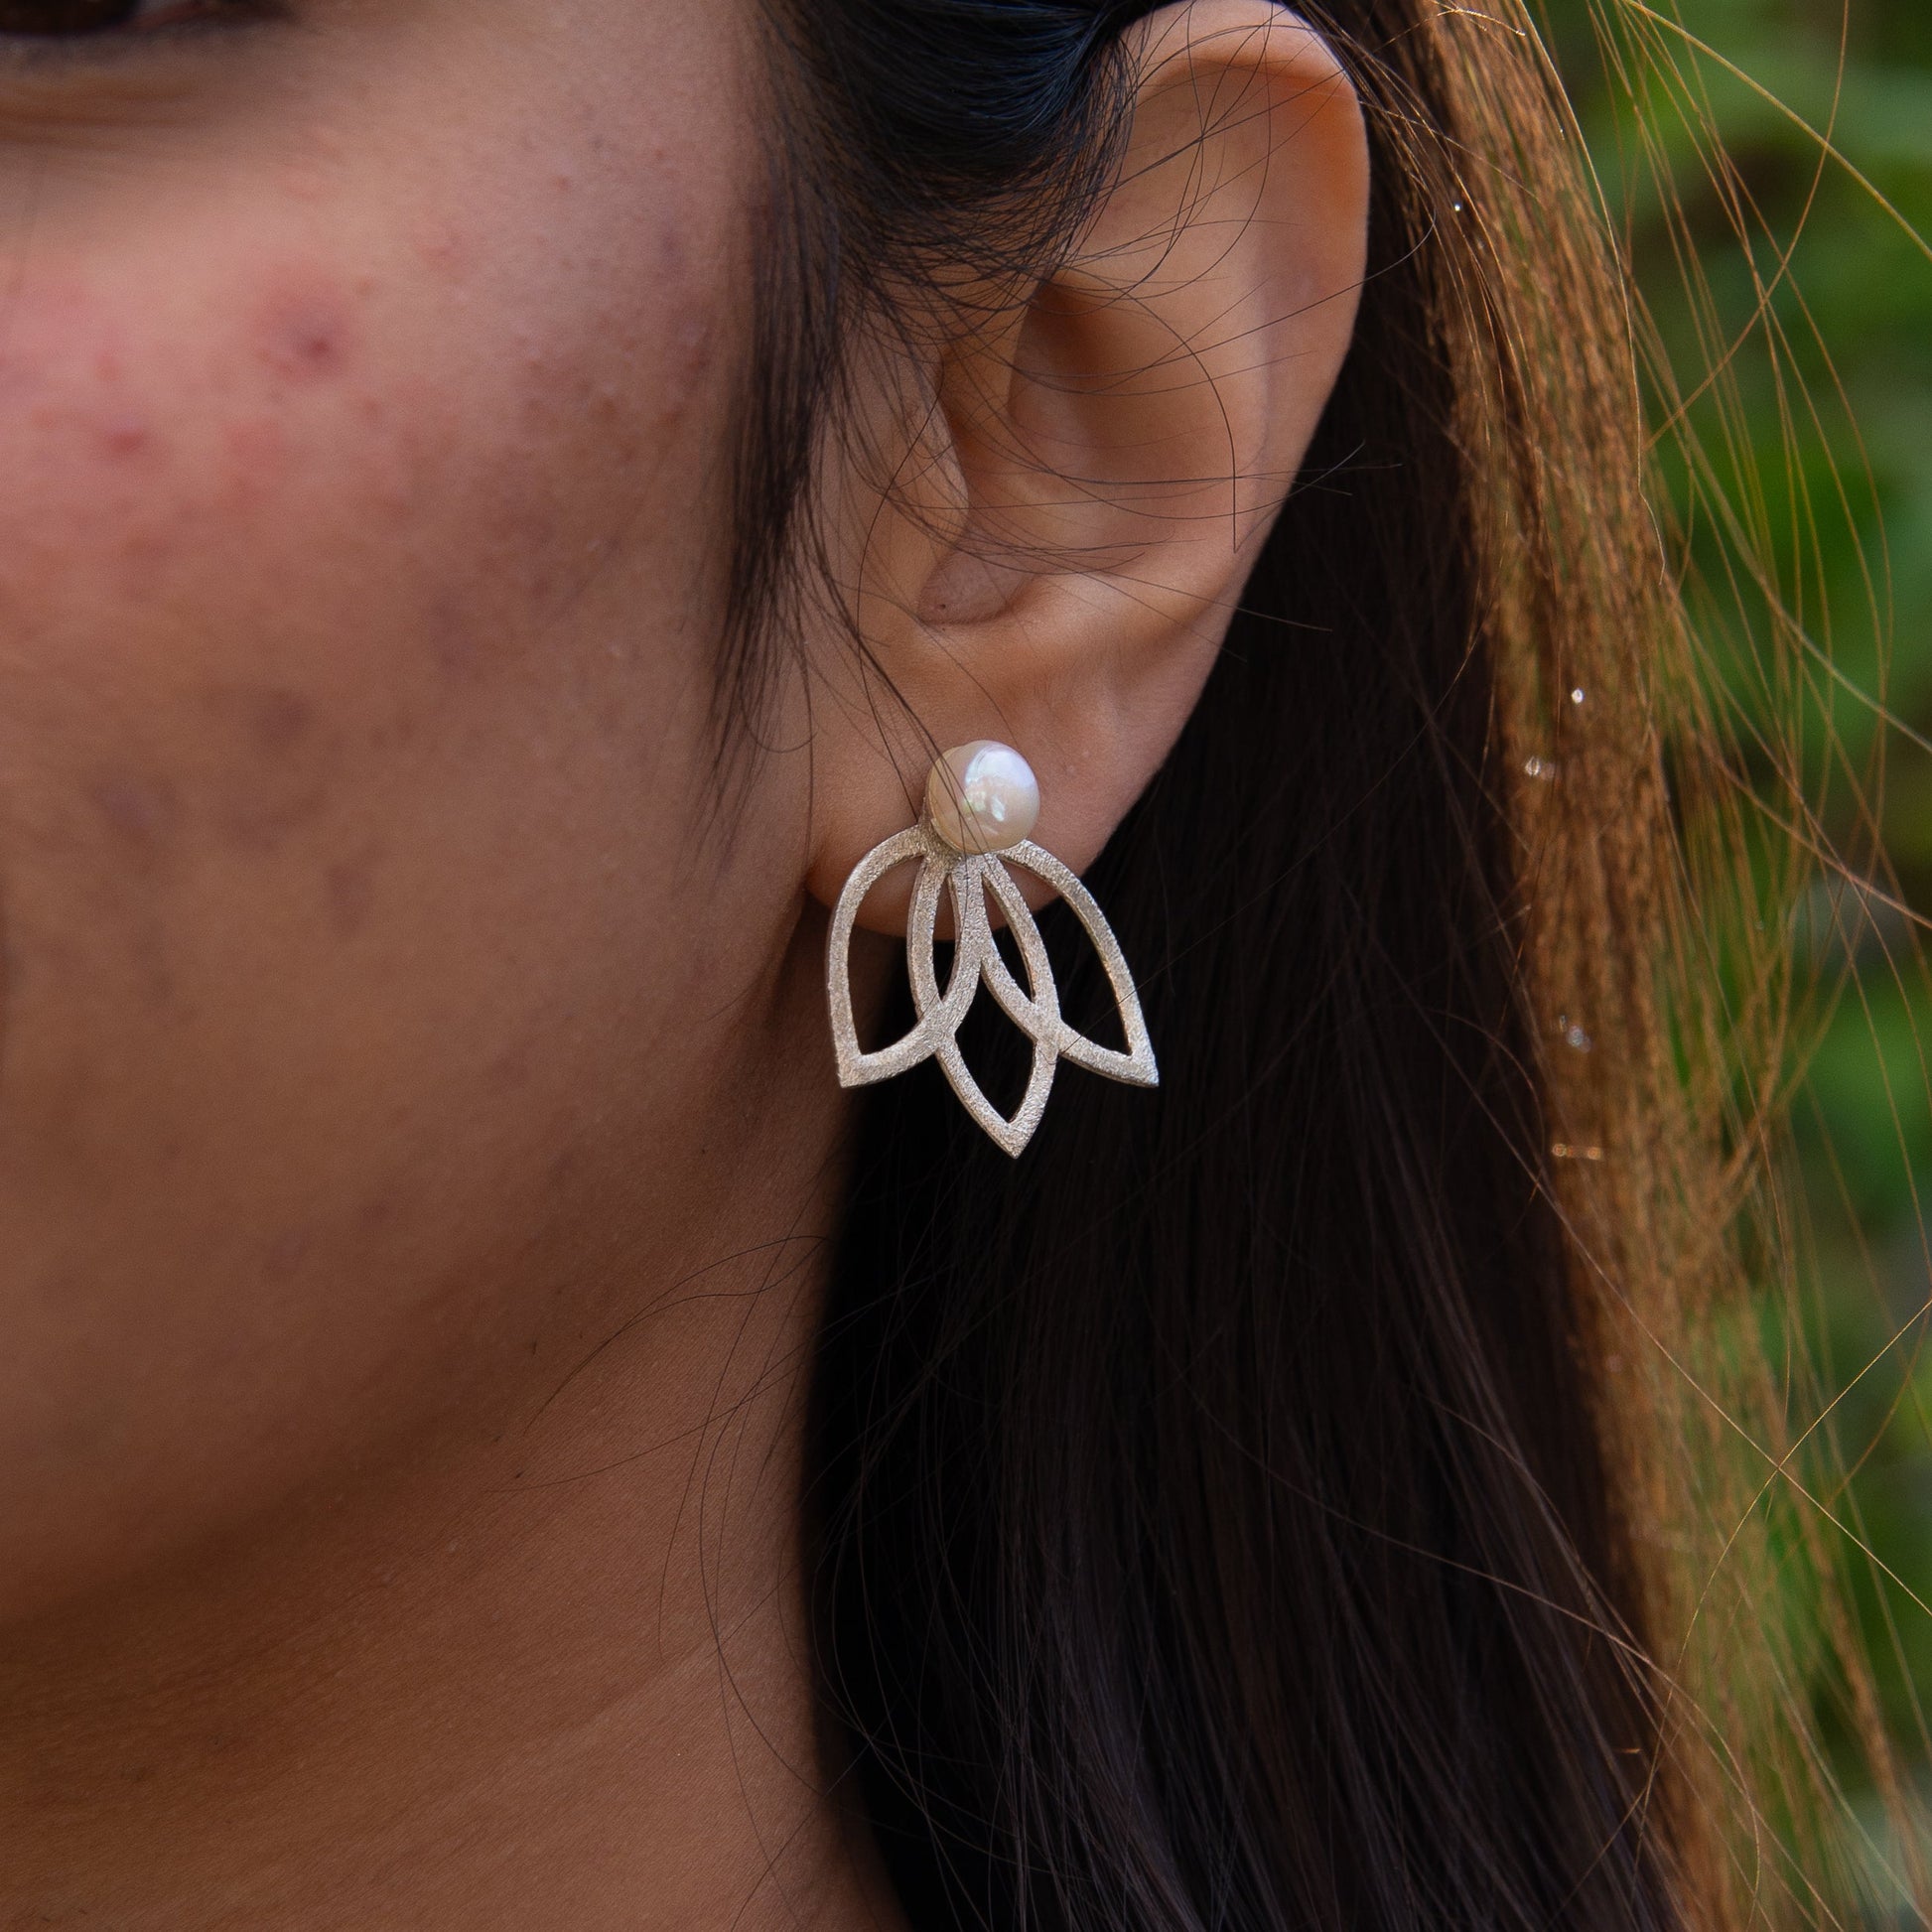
(331, 605)
(195, 640)
(358, 497)
(345, 617)
(195, 457)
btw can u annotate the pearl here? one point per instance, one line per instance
(982, 797)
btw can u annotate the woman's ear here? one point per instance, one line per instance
(1107, 457)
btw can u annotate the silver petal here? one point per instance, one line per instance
(1135, 1064)
(939, 1016)
(969, 880)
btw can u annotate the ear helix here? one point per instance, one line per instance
(981, 802)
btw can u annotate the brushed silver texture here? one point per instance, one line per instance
(1036, 1009)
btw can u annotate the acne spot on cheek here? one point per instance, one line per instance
(285, 1254)
(510, 1071)
(375, 1212)
(308, 334)
(142, 813)
(277, 720)
(349, 889)
(280, 772)
(452, 642)
(123, 438)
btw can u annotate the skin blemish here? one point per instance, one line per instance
(281, 768)
(452, 643)
(273, 720)
(285, 1254)
(509, 1070)
(306, 335)
(349, 888)
(143, 813)
(124, 437)
(378, 1210)
(280, 720)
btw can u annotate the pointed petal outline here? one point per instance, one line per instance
(939, 1014)
(1135, 1065)
(1035, 1008)
(970, 880)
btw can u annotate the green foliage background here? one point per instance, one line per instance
(1769, 166)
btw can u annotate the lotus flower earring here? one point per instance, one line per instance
(981, 802)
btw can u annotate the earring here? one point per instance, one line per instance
(981, 802)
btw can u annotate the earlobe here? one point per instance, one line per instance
(1120, 442)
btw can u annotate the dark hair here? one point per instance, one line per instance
(1216, 1516)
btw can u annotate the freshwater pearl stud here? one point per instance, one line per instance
(982, 797)
(981, 802)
